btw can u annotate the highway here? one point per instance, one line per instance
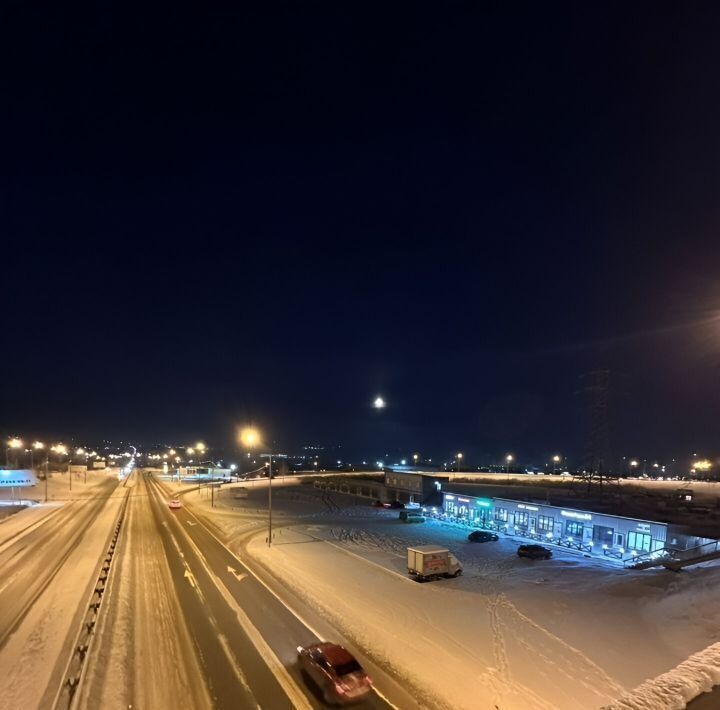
(31, 558)
(234, 641)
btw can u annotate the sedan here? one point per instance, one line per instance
(482, 536)
(175, 504)
(534, 552)
(334, 670)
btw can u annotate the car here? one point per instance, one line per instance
(175, 504)
(534, 552)
(335, 671)
(396, 504)
(380, 504)
(482, 536)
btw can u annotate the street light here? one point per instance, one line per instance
(459, 461)
(415, 458)
(633, 464)
(556, 461)
(379, 403)
(509, 459)
(13, 443)
(249, 437)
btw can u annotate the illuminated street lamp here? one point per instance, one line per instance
(379, 403)
(415, 458)
(13, 443)
(458, 458)
(509, 459)
(634, 463)
(556, 461)
(249, 437)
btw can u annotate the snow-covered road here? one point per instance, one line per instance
(48, 555)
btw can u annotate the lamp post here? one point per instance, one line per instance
(458, 458)
(269, 457)
(508, 460)
(556, 461)
(38, 446)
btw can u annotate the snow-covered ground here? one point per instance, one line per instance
(510, 633)
(32, 660)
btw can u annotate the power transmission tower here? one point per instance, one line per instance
(596, 470)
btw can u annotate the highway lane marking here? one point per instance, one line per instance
(235, 573)
(277, 668)
(230, 656)
(190, 522)
(315, 633)
(190, 577)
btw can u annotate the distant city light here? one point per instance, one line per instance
(15, 443)
(379, 403)
(703, 465)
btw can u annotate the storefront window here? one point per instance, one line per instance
(573, 528)
(639, 541)
(521, 519)
(501, 514)
(545, 523)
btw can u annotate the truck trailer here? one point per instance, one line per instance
(428, 562)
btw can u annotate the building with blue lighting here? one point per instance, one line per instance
(589, 532)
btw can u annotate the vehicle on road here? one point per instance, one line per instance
(534, 552)
(380, 504)
(482, 536)
(428, 562)
(396, 504)
(175, 504)
(335, 671)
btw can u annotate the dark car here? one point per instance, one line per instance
(482, 536)
(335, 671)
(534, 552)
(396, 504)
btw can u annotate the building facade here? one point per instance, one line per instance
(595, 533)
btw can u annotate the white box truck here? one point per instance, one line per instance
(427, 562)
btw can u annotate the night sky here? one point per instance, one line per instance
(213, 215)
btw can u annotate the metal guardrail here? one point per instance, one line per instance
(75, 669)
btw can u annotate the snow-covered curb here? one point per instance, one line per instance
(674, 689)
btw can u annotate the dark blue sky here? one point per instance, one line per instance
(212, 214)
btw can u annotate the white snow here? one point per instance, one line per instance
(571, 633)
(37, 650)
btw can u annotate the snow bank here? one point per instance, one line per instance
(674, 689)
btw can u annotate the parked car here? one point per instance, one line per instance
(482, 536)
(396, 504)
(336, 673)
(534, 552)
(411, 516)
(175, 504)
(380, 504)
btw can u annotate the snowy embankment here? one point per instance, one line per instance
(674, 689)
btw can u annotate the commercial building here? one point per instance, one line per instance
(593, 533)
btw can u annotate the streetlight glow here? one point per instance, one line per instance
(379, 403)
(38, 445)
(249, 437)
(15, 443)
